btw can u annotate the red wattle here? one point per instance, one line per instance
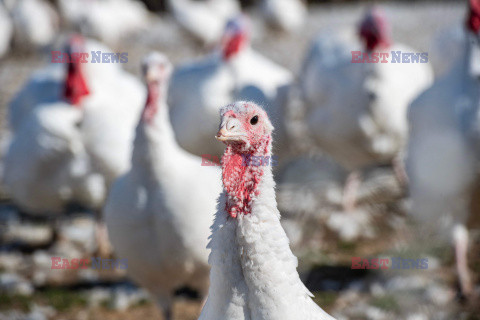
(241, 180)
(75, 84)
(473, 20)
(234, 45)
(151, 105)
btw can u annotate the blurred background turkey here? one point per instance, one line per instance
(110, 171)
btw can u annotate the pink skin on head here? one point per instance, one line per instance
(75, 83)
(241, 181)
(473, 18)
(375, 30)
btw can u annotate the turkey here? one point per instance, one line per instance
(6, 30)
(253, 271)
(105, 20)
(286, 15)
(47, 166)
(111, 110)
(158, 214)
(205, 20)
(35, 24)
(236, 72)
(356, 112)
(47, 84)
(443, 147)
(110, 119)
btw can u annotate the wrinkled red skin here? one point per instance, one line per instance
(241, 181)
(151, 105)
(75, 83)
(473, 18)
(234, 45)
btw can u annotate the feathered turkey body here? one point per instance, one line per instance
(253, 274)
(446, 48)
(205, 20)
(35, 22)
(105, 20)
(57, 170)
(353, 111)
(443, 148)
(46, 165)
(237, 72)
(286, 15)
(111, 114)
(47, 84)
(164, 204)
(110, 110)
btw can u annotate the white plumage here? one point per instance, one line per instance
(446, 48)
(111, 109)
(35, 22)
(237, 72)
(159, 213)
(47, 84)
(105, 20)
(357, 111)
(205, 20)
(46, 166)
(111, 114)
(443, 149)
(286, 15)
(43, 86)
(253, 274)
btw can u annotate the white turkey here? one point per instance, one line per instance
(110, 119)
(356, 112)
(205, 20)
(236, 72)
(253, 271)
(35, 24)
(158, 214)
(286, 15)
(111, 109)
(48, 84)
(443, 147)
(46, 166)
(6, 30)
(105, 20)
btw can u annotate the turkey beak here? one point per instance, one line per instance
(222, 134)
(151, 75)
(231, 130)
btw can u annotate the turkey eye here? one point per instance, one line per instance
(254, 120)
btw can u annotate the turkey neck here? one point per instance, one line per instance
(241, 176)
(155, 147)
(262, 248)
